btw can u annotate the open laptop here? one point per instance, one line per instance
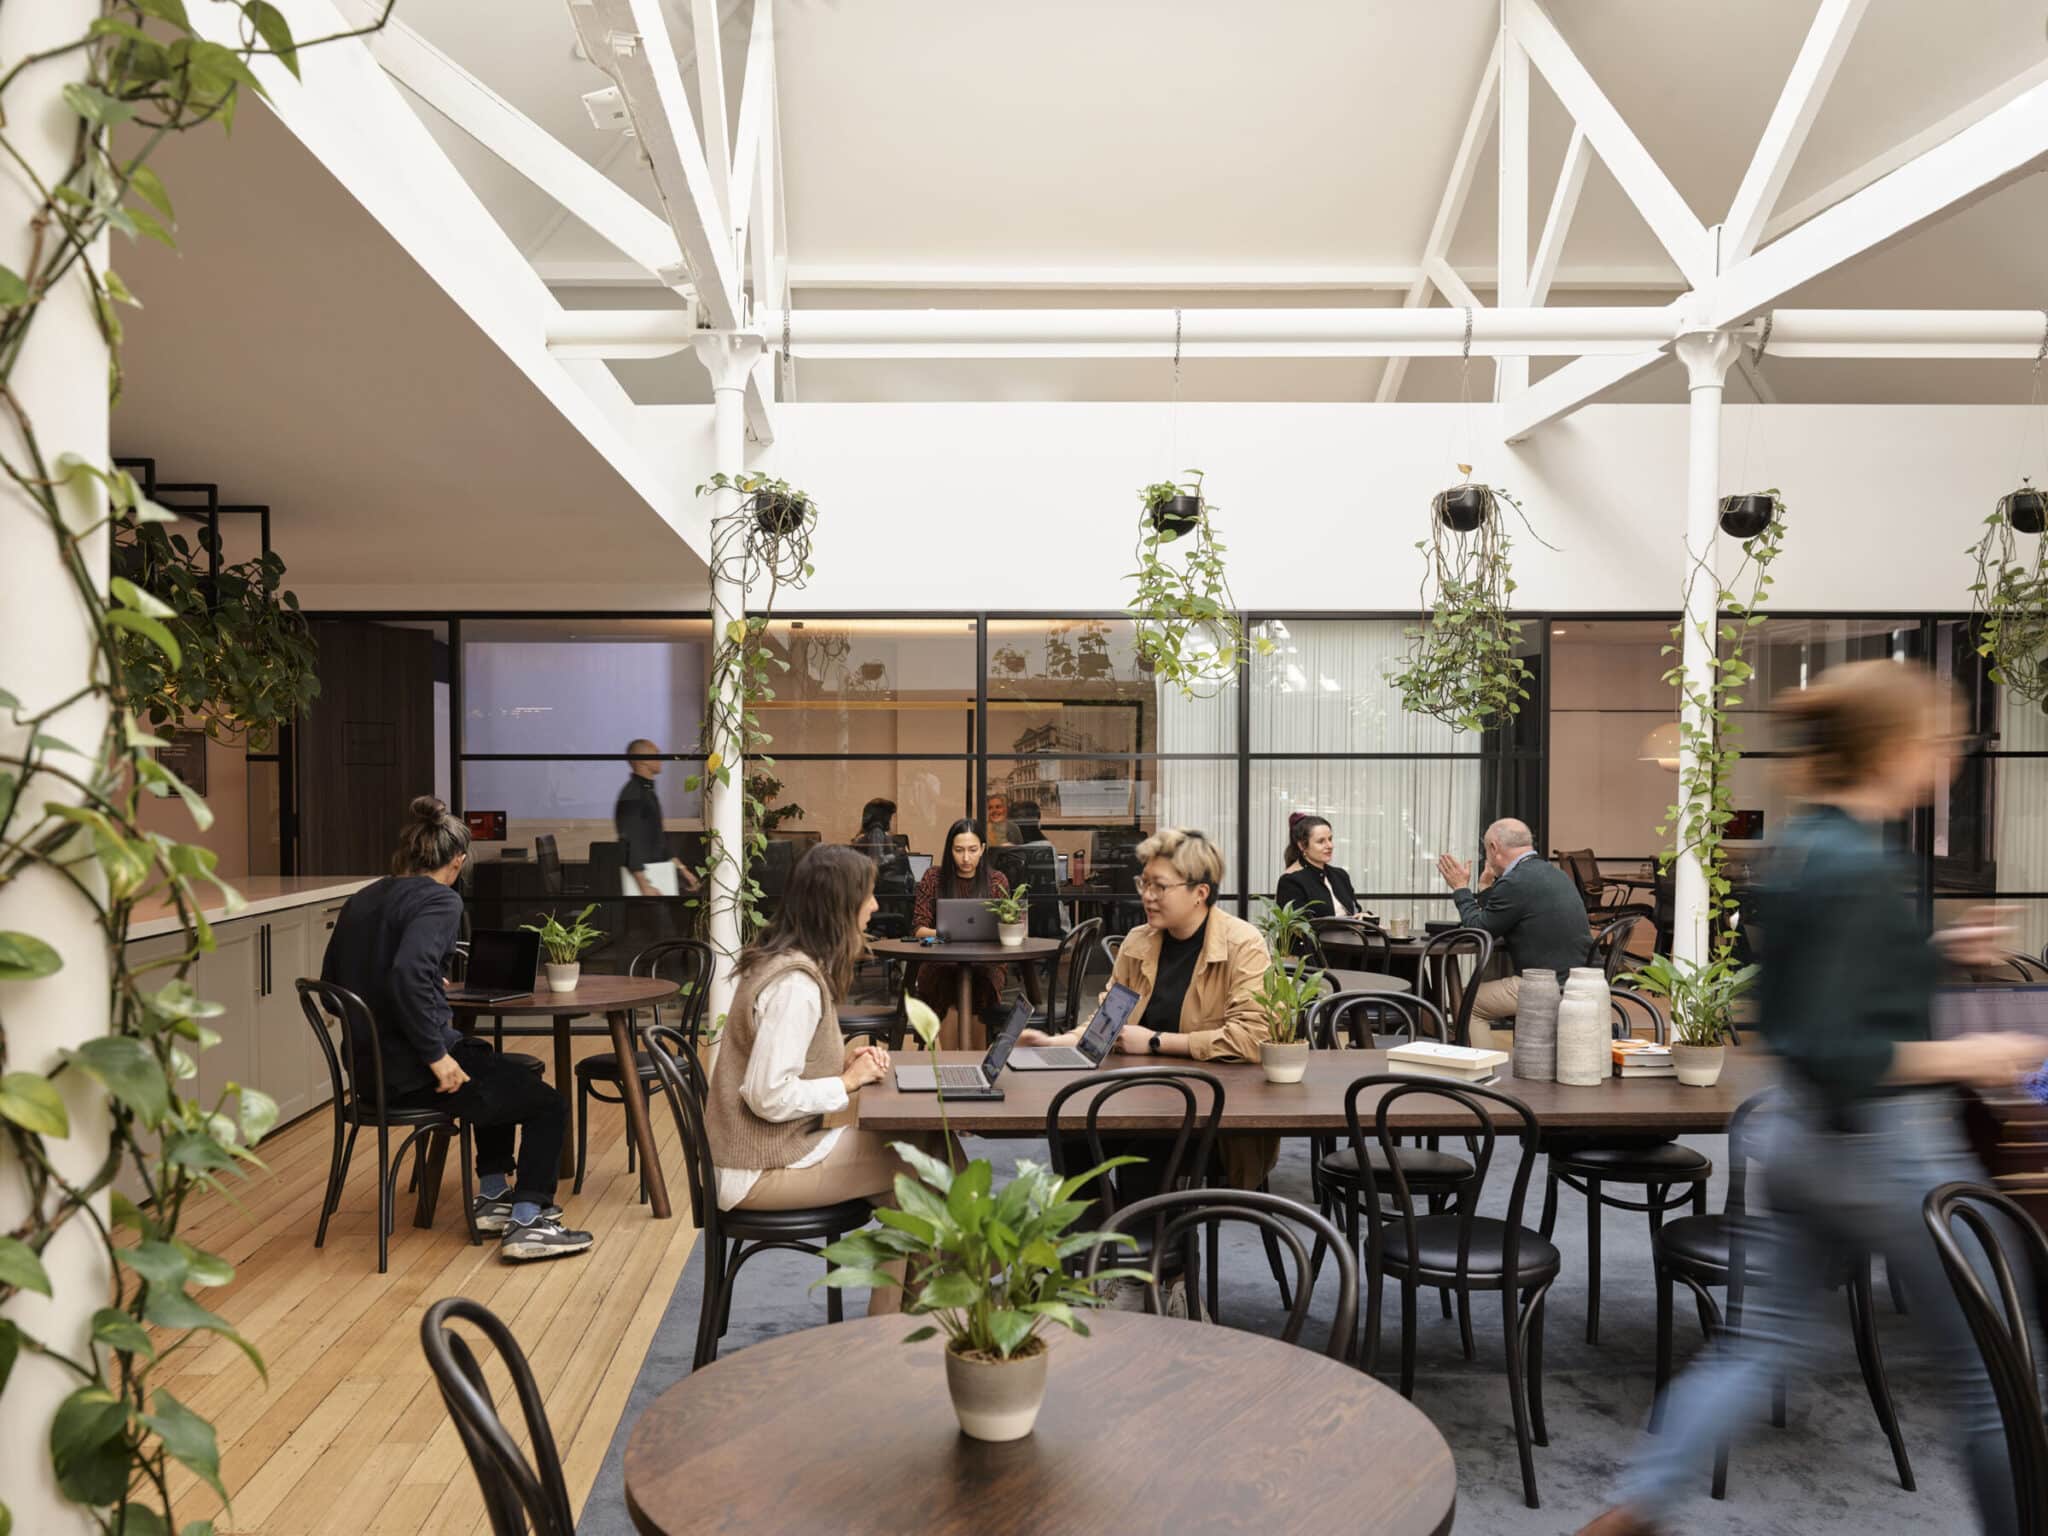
(966, 920)
(502, 965)
(976, 1082)
(920, 864)
(1096, 1042)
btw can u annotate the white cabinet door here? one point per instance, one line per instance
(285, 1046)
(231, 976)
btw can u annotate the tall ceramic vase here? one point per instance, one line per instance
(1584, 1057)
(1536, 1001)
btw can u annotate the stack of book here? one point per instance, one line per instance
(1643, 1058)
(1453, 1063)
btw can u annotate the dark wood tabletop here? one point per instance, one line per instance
(846, 1428)
(1316, 1103)
(1367, 981)
(965, 954)
(593, 994)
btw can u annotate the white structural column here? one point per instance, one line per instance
(729, 357)
(46, 653)
(1707, 356)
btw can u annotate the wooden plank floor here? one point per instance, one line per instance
(349, 1433)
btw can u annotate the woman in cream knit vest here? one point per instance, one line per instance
(782, 1068)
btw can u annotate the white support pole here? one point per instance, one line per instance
(1707, 356)
(1511, 374)
(729, 357)
(46, 653)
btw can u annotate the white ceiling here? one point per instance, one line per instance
(983, 134)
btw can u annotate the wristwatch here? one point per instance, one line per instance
(1154, 1047)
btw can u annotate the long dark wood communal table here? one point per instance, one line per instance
(1316, 1103)
(848, 1429)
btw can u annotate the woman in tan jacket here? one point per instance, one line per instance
(782, 1068)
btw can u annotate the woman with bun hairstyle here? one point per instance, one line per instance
(391, 945)
(1311, 882)
(1865, 1121)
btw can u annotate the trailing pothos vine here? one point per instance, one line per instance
(762, 546)
(1188, 630)
(2010, 598)
(1707, 732)
(70, 811)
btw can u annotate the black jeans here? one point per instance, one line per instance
(498, 1099)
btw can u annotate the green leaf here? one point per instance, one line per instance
(128, 595)
(96, 106)
(118, 1331)
(950, 1290)
(174, 1309)
(145, 181)
(161, 1264)
(141, 1520)
(13, 291)
(172, 11)
(21, 1268)
(30, 1101)
(187, 1437)
(257, 1113)
(152, 630)
(203, 1268)
(86, 1446)
(124, 1067)
(275, 31)
(917, 1336)
(1010, 1328)
(968, 1198)
(23, 957)
(10, 1349)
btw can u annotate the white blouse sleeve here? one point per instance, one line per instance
(774, 1088)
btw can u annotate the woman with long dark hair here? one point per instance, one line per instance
(1866, 1120)
(1311, 882)
(963, 871)
(782, 1067)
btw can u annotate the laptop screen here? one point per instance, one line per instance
(1109, 1021)
(502, 960)
(1005, 1041)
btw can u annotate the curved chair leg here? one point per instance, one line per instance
(1410, 1305)
(1862, 1323)
(337, 1170)
(1532, 1327)
(1897, 1286)
(384, 1183)
(582, 1132)
(466, 1151)
(1593, 1261)
(1511, 1328)
(1375, 1290)
(1548, 1224)
(1210, 1260)
(1443, 1292)
(1662, 1281)
(708, 1308)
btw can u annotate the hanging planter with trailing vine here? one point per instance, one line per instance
(2009, 598)
(1188, 628)
(1461, 666)
(1746, 516)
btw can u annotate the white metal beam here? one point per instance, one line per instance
(1827, 40)
(1447, 282)
(1982, 158)
(1575, 384)
(1511, 374)
(607, 208)
(1564, 203)
(1451, 206)
(711, 103)
(757, 108)
(1670, 219)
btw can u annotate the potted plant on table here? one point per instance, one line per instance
(1286, 991)
(1702, 999)
(993, 1265)
(564, 943)
(1010, 918)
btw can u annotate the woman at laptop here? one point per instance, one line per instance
(782, 1068)
(963, 872)
(1197, 973)
(391, 944)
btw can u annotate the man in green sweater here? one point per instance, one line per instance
(1527, 904)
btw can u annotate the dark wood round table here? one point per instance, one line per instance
(1362, 981)
(846, 1428)
(615, 997)
(970, 956)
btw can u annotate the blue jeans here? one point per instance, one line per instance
(1835, 1196)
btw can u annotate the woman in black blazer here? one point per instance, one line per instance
(1312, 883)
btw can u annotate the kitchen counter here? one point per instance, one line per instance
(264, 893)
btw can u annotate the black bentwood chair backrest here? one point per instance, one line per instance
(1179, 1213)
(1631, 1010)
(686, 1088)
(1352, 943)
(1186, 1157)
(1373, 1021)
(2000, 1327)
(519, 1495)
(1609, 947)
(688, 963)
(1442, 975)
(1073, 953)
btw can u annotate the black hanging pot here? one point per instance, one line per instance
(1177, 515)
(1744, 517)
(2026, 509)
(779, 514)
(1463, 508)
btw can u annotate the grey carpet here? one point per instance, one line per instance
(1828, 1471)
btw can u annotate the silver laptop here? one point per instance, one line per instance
(969, 1080)
(1096, 1043)
(966, 920)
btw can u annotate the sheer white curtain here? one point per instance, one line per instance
(2021, 843)
(1324, 690)
(1198, 795)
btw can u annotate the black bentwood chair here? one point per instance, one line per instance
(1062, 1009)
(686, 962)
(1705, 1251)
(1178, 1213)
(519, 1495)
(1459, 1248)
(2000, 1327)
(730, 1238)
(1351, 943)
(357, 1105)
(1444, 977)
(1609, 947)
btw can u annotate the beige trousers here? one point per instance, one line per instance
(1494, 1001)
(860, 1166)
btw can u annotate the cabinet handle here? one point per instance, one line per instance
(263, 985)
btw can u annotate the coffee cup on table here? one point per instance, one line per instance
(1397, 927)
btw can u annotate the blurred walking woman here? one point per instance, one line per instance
(1866, 1120)
(963, 872)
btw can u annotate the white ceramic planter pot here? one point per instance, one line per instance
(1012, 934)
(997, 1399)
(562, 978)
(1698, 1066)
(1283, 1063)
(1584, 1059)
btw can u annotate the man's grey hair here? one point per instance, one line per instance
(1511, 834)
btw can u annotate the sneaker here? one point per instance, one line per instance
(543, 1239)
(493, 1213)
